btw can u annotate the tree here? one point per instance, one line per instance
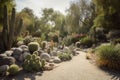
(108, 14)
(80, 16)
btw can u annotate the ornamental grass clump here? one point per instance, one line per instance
(108, 56)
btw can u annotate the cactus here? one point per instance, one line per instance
(7, 35)
(32, 63)
(33, 46)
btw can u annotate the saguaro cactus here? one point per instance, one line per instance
(7, 35)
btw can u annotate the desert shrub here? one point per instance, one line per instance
(13, 69)
(27, 40)
(37, 33)
(67, 40)
(116, 41)
(33, 63)
(109, 56)
(65, 56)
(55, 38)
(33, 46)
(87, 41)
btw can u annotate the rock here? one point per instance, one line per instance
(3, 55)
(47, 67)
(7, 61)
(51, 64)
(56, 60)
(24, 48)
(25, 54)
(3, 71)
(17, 52)
(4, 68)
(19, 43)
(8, 53)
(45, 56)
(53, 53)
(66, 49)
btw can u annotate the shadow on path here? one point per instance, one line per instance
(115, 75)
(23, 75)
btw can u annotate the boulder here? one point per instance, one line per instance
(8, 53)
(4, 68)
(25, 54)
(17, 52)
(7, 61)
(45, 56)
(19, 43)
(24, 48)
(56, 60)
(3, 55)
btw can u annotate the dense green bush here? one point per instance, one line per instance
(86, 41)
(33, 46)
(33, 63)
(65, 56)
(109, 56)
(14, 69)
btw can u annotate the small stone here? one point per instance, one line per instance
(51, 64)
(19, 43)
(56, 60)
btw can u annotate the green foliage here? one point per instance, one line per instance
(27, 40)
(13, 69)
(37, 33)
(87, 41)
(32, 63)
(107, 14)
(109, 56)
(65, 56)
(43, 44)
(33, 46)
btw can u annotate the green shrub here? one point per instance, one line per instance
(65, 56)
(27, 40)
(13, 69)
(37, 33)
(33, 63)
(87, 41)
(33, 46)
(109, 56)
(43, 44)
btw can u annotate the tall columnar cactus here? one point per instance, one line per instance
(7, 35)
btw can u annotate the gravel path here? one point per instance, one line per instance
(77, 69)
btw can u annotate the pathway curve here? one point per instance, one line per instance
(77, 69)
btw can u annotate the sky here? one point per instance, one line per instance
(37, 5)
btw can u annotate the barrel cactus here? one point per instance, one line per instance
(33, 46)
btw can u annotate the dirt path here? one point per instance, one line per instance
(77, 69)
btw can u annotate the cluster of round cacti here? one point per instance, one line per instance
(33, 63)
(33, 46)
